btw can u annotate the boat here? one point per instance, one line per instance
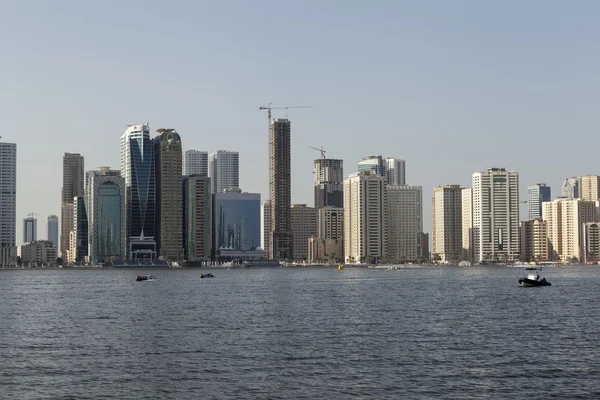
(209, 275)
(533, 278)
(146, 278)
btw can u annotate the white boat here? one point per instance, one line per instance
(533, 278)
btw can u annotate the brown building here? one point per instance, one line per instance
(169, 196)
(72, 187)
(197, 214)
(280, 185)
(305, 222)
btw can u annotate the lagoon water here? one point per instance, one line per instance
(306, 333)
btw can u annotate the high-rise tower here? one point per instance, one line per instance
(73, 178)
(137, 169)
(537, 194)
(280, 185)
(29, 229)
(224, 170)
(52, 229)
(395, 171)
(329, 183)
(169, 195)
(447, 222)
(195, 162)
(8, 203)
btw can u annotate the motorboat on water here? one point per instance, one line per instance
(209, 275)
(145, 278)
(533, 278)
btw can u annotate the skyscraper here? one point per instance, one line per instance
(224, 170)
(447, 223)
(80, 245)
(197, 216)
(537, 194)
(169, 196)
(496, 215)
(373, 163)
(73, 177)
(365, 216)
(8, 203)
(589, 187)
(280, 185)
(395, 171)
(570, 188)
(329, 183)
(107, 216)
(137, 169)
(467, 224)
(29, 229)
(52, 229)
(405, 223)
(195, 162)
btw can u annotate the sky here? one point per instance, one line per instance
(452, 87)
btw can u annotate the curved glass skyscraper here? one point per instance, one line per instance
(137, 169)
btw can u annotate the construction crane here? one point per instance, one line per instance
(322, 150)
(269, 108)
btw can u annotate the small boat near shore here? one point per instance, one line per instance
(209, 275)
(145, 278)
(533, 278)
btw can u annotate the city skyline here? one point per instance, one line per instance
(475, 93)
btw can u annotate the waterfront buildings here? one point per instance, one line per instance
(467, 224)
(169, 195)
(589, 187)
(80, 244)
(328, 246)
(107, 216)
(395, 171)
(565, 219)
(195, 162)
(280, 188)
(329, 182)
(237, 222)
(37, 253)
(365, 218)
(534, 240)
(29, 229)
(8, 203)
(138, 172)
(73, 179)
(224, 170)
(52, 229)
(536, 195)
(447, 223)
(405, 223)
(304, 225)
(570, 188)
(496, 215)
(591, 243)
(265, 225)
(197, 218)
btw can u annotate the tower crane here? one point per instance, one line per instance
(269, 108)
(322, 150)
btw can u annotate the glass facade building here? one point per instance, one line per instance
(236, 221)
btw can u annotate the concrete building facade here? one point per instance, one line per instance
(467, 224)
(536, 195)
(305, 221)
(265, 226)
(496, 215)
(195, 162)
(329, 182)
(30, 229)
(589, 187)
(169, 195)
(73, 186)
(224, 170)
(447, 223)
(365, 218)
(38, 253)
(534, 240)
(395, 171)
(52, 229)
(405, 223)
(8, 203)
(280, 188)
(197, 216)
(570, 188)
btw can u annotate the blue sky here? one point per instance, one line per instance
(452, 87)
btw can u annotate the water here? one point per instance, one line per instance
(299, 333)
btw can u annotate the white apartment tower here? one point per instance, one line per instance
(195, 162)
(224, 170)
(467, 224)
(331, 223)
(365, 216)
(589, 187)
(8, 203)
(405, 223)
(447, 223)
(395, 171)
(496, 215)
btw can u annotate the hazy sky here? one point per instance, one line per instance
(452, 87)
